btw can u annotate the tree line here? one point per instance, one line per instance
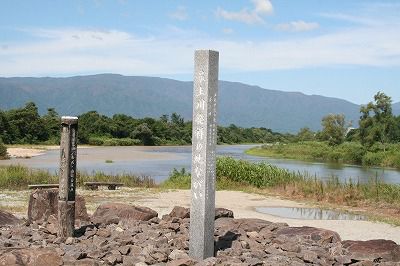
(26, 126)
(376, 141)
(377, 125)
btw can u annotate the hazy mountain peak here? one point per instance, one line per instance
(239, 103)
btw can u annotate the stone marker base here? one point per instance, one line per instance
(66, 218)
(44, 202)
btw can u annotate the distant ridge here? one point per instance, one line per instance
(239, 104)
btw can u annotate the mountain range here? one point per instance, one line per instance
(240, 104)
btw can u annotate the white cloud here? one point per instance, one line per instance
(81, 51)
(263, 7)
(297, 26)
(246, 15)
(180, 13)
(352, 19)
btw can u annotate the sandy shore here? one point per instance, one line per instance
(243, 205)
(16, 152)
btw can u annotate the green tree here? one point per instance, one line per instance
(144, 134)
(4, 128)
(51, 122)
(377, 123)
(177, 119)
(123, 125)
(26, 125)
(92, 124)
(305, 134)
(334, 128)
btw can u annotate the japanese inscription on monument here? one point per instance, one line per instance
(67, 186)
(204, 138)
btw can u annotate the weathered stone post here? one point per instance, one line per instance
(204, 138)
(66, 194)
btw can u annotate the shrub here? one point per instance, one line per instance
(353, 152)
(102, 141)
(373, 159)
(178, 179)
(3, 151)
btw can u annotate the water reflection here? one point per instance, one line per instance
(309, 213)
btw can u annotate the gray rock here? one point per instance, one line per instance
(379, 249)
(31, 256)
(7, 218)
(121, 211)
(181, 262)
(178, 254)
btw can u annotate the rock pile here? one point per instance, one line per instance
(132, 235)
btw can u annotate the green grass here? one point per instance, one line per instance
(19, 177)
(348, 152)
(109, 161)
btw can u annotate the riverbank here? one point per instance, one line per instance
(345, 153)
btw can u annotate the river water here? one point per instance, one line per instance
(159, 161)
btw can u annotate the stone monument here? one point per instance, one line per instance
(67, 187)
(204, 138)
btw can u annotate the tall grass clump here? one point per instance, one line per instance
(231, 173)
(177, 180)
(127, 179)
(257, 174)
(19, 177)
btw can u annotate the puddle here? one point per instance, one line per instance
(309, 213)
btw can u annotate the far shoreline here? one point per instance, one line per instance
(26, 151)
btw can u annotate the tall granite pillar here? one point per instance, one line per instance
(67, 187)
(204, 138)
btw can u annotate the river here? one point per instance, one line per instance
(159, 161)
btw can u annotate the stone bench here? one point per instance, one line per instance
(96, 185)
(43, 186)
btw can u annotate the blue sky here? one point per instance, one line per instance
(344, 49)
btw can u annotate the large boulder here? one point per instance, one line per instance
(222, 212)
(321, 236)
(373, 250)
(44, 202)
(7, 218)
(31, 256)
(182, 213)
(245, 224)
(114, 212)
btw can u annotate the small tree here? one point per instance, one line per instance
(334, 128)
(377, 122)
(305, 134)
(144, 134)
